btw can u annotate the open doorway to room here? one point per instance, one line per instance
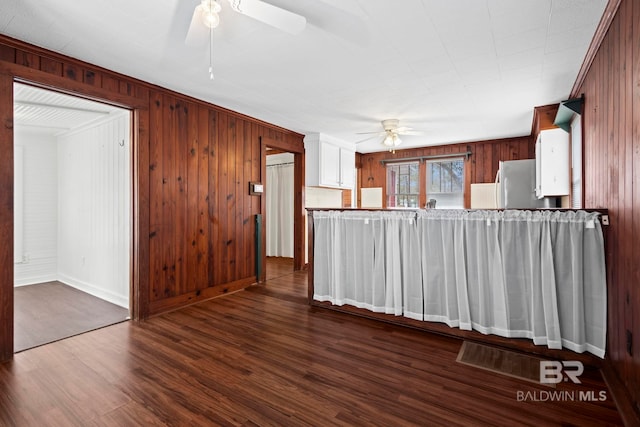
(72, 232)
(279, 218)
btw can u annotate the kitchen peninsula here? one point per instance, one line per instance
(534, 274)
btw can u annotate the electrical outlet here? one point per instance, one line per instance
(629, 343)
(605, 219)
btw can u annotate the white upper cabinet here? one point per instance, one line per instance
(552, 163)
(329, 162)
(347, 168)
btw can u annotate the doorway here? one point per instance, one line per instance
(279, 218)
(72, 207)
(277, 146)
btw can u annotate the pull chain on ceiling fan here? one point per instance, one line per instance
(207, 13)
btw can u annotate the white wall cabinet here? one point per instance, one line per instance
(329, 162)
(347, 168)
(552, 163)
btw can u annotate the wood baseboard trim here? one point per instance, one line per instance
(170, 304)
(626, 408)
(519, 344)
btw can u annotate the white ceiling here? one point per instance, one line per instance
(52, 112)
(459, 70)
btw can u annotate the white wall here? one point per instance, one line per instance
(93, 209)
(318, 197)
(38, 255)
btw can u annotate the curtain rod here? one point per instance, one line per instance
(281, 164)
(421, 158)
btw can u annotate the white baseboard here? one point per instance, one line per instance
(34, 280)
(122, 301)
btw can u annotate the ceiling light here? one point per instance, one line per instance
(391, 139)
(209, 10)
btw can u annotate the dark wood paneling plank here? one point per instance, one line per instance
(222, 231)
(73, 72)
(248, 227)
(6, 217)
(240, 192)
(213, 257)
(52, 66)
(169, 190)
(156, 171)
(230, 214)
(632, 297)
(192, 205)
(93, 78)
(140, 285)
(27, 59)
(7, 53)
(110, 83)
(203, 229)
(183, 212)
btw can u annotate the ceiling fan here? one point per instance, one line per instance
(391, 133)
(207, 13)
(205, 18)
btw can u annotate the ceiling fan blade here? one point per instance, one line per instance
(367, 139)
(272, 15)
(370, 133)
(178, 29)
(403, 129)
(341, 21)
(198, 32)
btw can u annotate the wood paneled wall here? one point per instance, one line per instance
(611, 121)
(481, 166)
(193, 218)
(6, 217)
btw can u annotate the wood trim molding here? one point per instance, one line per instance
(48, 81)
(603, 26)
(620, 395)
(6, 218)
(184, 300)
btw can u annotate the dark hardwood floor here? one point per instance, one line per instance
(264, 357)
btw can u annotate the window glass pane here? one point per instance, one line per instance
(403, 185)
(434, 173)
(445, 183)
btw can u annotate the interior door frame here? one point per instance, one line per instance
(10, 73)
(298, 199)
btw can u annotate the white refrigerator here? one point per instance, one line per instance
(516, 186)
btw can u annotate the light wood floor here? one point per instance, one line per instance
(264, 357)
(51, 311)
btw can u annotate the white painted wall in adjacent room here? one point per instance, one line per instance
(37, 261)
(93, 209)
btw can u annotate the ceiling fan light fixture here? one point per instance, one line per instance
(391, 140)
(209, 12)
